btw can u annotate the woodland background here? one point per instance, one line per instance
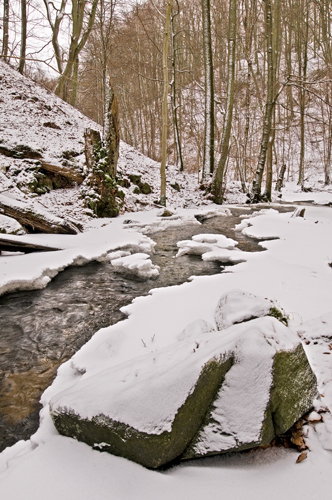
(273, 54)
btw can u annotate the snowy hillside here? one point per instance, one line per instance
(40, 131)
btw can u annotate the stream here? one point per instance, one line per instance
(41, 329)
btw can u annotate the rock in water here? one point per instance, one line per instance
(204, 395)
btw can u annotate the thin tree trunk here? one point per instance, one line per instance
(218, 177)
(23, 36)
(164, 106)
(303, 62)
(327, 165)
(208, 159)
(177, 140)
(257, 182)
(275, 42)
(281, 177)
(5, 36)
(74, 84)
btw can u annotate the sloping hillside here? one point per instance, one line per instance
(42, 155)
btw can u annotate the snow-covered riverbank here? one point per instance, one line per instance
(294, 271)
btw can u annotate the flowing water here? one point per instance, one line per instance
(41, 329)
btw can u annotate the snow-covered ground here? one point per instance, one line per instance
(294, 271)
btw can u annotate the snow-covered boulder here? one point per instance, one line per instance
(206, 394)
(237, 306)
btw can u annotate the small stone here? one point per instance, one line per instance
(167, 213)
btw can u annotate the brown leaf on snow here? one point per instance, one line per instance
(302, 457)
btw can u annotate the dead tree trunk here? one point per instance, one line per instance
(102, 188)
(111, 135)
(29, 217)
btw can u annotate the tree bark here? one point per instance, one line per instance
(218, 178)
(5, 35)
(257, 183)
(164, 106)
(177, 138)
(327, 163)
(111, 133)
(275, 45)
(69, 173)
(24, 23)
(208, 158)
(281, 178)
(303, 63)
(103, 190)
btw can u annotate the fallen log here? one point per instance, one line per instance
(68, 172)
(36, 219)
(24, 152)
(8, 244)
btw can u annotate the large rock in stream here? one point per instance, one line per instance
(209, 393)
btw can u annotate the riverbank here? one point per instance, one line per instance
(295, 272)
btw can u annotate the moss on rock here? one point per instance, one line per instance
(150, 450)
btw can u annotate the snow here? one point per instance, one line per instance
(137, 264)
(237, 306)
(212, 248)
(10, 225)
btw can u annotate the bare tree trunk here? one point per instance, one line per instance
(177, 139)
(23, 36)
(257, 183)
(303, 63)
(218, 177)
(275, 44)
(208, 160)
(327, 165)
(5, 36)
(281, 177)
(78, 40)
(55, 27)
(74, 83)
(164, 106)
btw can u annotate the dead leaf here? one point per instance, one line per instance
(302, 457)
